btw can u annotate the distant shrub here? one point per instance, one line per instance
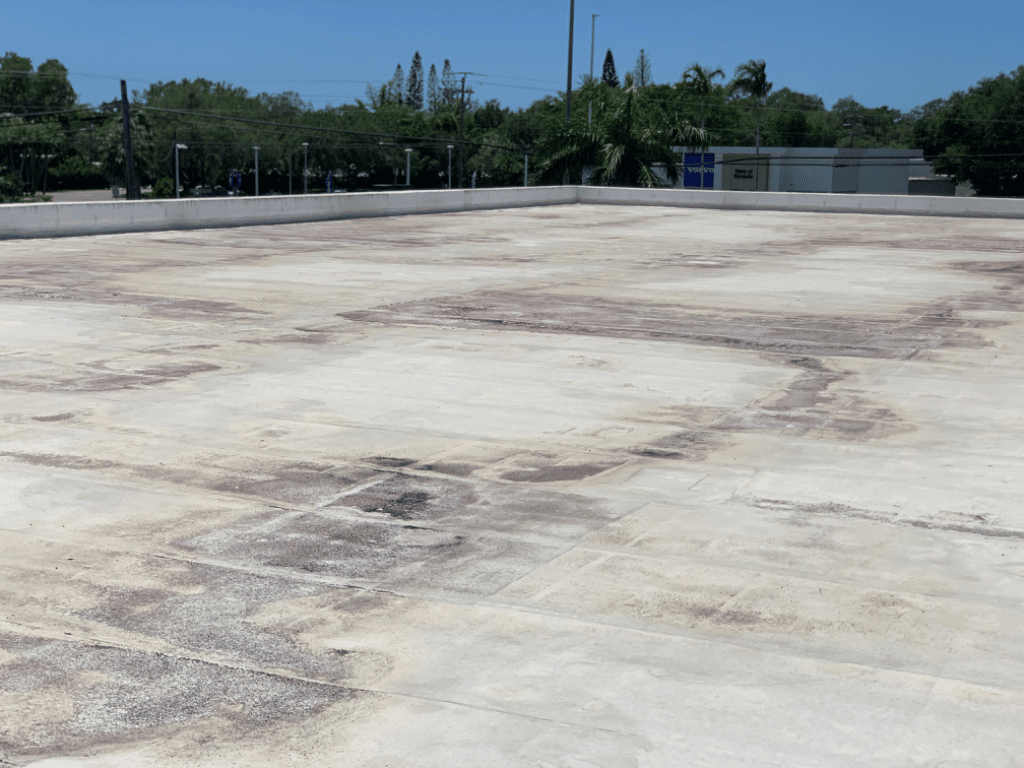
(163, 188)
(76, 172)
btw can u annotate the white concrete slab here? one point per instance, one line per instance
(555, 486)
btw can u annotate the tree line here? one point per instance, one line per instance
(49, 140)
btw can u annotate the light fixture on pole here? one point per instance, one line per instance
(408, 156)
(257, 151)
(177, 183)
(305, 167)
(450, 147)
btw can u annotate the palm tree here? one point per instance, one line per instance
(750, 80)
(703, 83)
(621, 149)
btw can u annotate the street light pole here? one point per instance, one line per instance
(526, 169)
(408, 156)
(257, 150)
(568, 86)
(449, 166)
(177, 182)
(593, 24)
(305, 167)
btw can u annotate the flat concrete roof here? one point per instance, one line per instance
(559, 487)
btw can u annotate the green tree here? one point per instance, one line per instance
(433, 90)
(449, 90)
(51, 89)
(621, 148)
(977, 136)
(396, 86)
(26, 148)
(642, 70)
(414, 86)
(15, 84)
(794, 119)
(608, 75)
(27, 90)
(703, 84)
(751, 81)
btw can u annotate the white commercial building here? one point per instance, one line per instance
(801, 169)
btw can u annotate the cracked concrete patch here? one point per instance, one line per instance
(106, 695)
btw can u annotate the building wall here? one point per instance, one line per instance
(940, 187)
(804, 169)
(740, 172)
(804, 173)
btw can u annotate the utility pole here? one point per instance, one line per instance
(462, 128)
(462, 120)
(131, 191)
(305, 167)
(593, 23)
(257, 151)
(568, 87)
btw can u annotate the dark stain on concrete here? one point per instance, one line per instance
(412, 497)
(968, 243)
(313, 339)
(391, 461)
(54, 417)
(453, 468)
(179, 309)
(417, 533)
(210, 616)
(559, 473)
(1012, 269)
(976, 525)
(98, 379)
(809, 406)
(688, 445)
(794, 335)
(59, 460)
(298, 483)
(144, 695)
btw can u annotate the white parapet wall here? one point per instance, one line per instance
(31, 220)
(913, 205)
(95, 218)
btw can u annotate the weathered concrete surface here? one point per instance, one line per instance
(574, 486)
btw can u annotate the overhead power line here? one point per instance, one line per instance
(297, 127)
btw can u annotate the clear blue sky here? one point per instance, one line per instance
(900, 53)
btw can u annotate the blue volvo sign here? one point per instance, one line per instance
(699, 170)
